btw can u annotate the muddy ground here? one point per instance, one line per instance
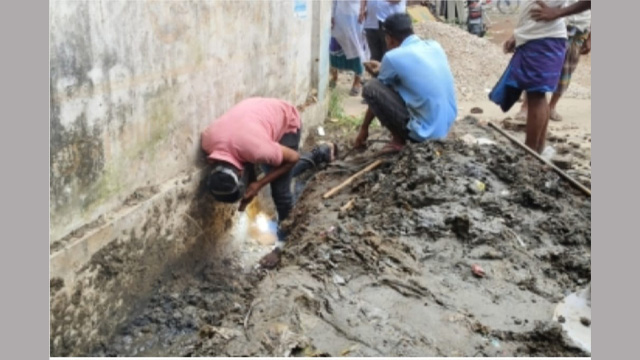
(391, 276)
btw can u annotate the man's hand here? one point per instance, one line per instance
(252, 191)
(373, 67)
(509, 45)
(586, 47)
(361, 140)
(333, 22)
(362, 16)
(544, 13)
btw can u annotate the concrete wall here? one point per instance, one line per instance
(133, 83)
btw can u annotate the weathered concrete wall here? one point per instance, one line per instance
(133, 83)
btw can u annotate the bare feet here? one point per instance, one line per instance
(392, 148)
(555, 116)
(271, 260)
(521, 115)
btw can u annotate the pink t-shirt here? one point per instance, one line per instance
(250, 132)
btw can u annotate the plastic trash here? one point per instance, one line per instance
(548, 153)
(477, 270)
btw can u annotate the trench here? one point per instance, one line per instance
(390, 275)
(208, 285)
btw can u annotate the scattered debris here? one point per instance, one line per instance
(514, 125)
(585, 321)
(477, 270)
(564, 162)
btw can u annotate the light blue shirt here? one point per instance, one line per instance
(419, 71)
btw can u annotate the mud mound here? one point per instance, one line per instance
(477, 64)
(391, 275)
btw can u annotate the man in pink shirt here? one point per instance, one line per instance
(259, 131)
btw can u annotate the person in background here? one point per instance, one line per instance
(413, 95)
(377, 12)
(549, 13)
(539, 52)
(259, 131)
(578, 43)
(348, 48)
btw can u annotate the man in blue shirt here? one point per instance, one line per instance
(413, 95)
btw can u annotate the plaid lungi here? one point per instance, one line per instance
(572, 57)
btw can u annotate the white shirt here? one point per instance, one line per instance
(581, 21)
(385, 9)
(371, 22)
(528, 29)
(379, 10)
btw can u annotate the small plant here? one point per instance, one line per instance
(338, 119)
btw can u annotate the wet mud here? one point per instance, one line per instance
(391, 275)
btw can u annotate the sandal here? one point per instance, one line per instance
(332, 84)
(354, 91)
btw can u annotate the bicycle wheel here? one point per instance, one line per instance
(508, 7)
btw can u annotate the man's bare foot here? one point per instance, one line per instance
(392, 148)
(521, 115)
(555, 116)
(271, 260)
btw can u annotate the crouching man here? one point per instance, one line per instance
(413, 95)
(259, 131)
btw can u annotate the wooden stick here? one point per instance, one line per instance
(348, 205)
(564, 175)
(333, 191)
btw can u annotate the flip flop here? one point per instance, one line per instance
(332, 84)
(354, 91)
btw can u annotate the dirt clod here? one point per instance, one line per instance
(585, 321)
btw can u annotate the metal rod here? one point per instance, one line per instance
(564, 175)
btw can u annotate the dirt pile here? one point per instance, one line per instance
(477, 64)
(391, 276)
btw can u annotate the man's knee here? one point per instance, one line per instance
(371, 89)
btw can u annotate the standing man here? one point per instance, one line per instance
(258, 131)
(413, 95)
(535, 68)
(377, 12)
(578, 43)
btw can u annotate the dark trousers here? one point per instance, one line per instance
(281, 187)
(376, 42)
(388, 107)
